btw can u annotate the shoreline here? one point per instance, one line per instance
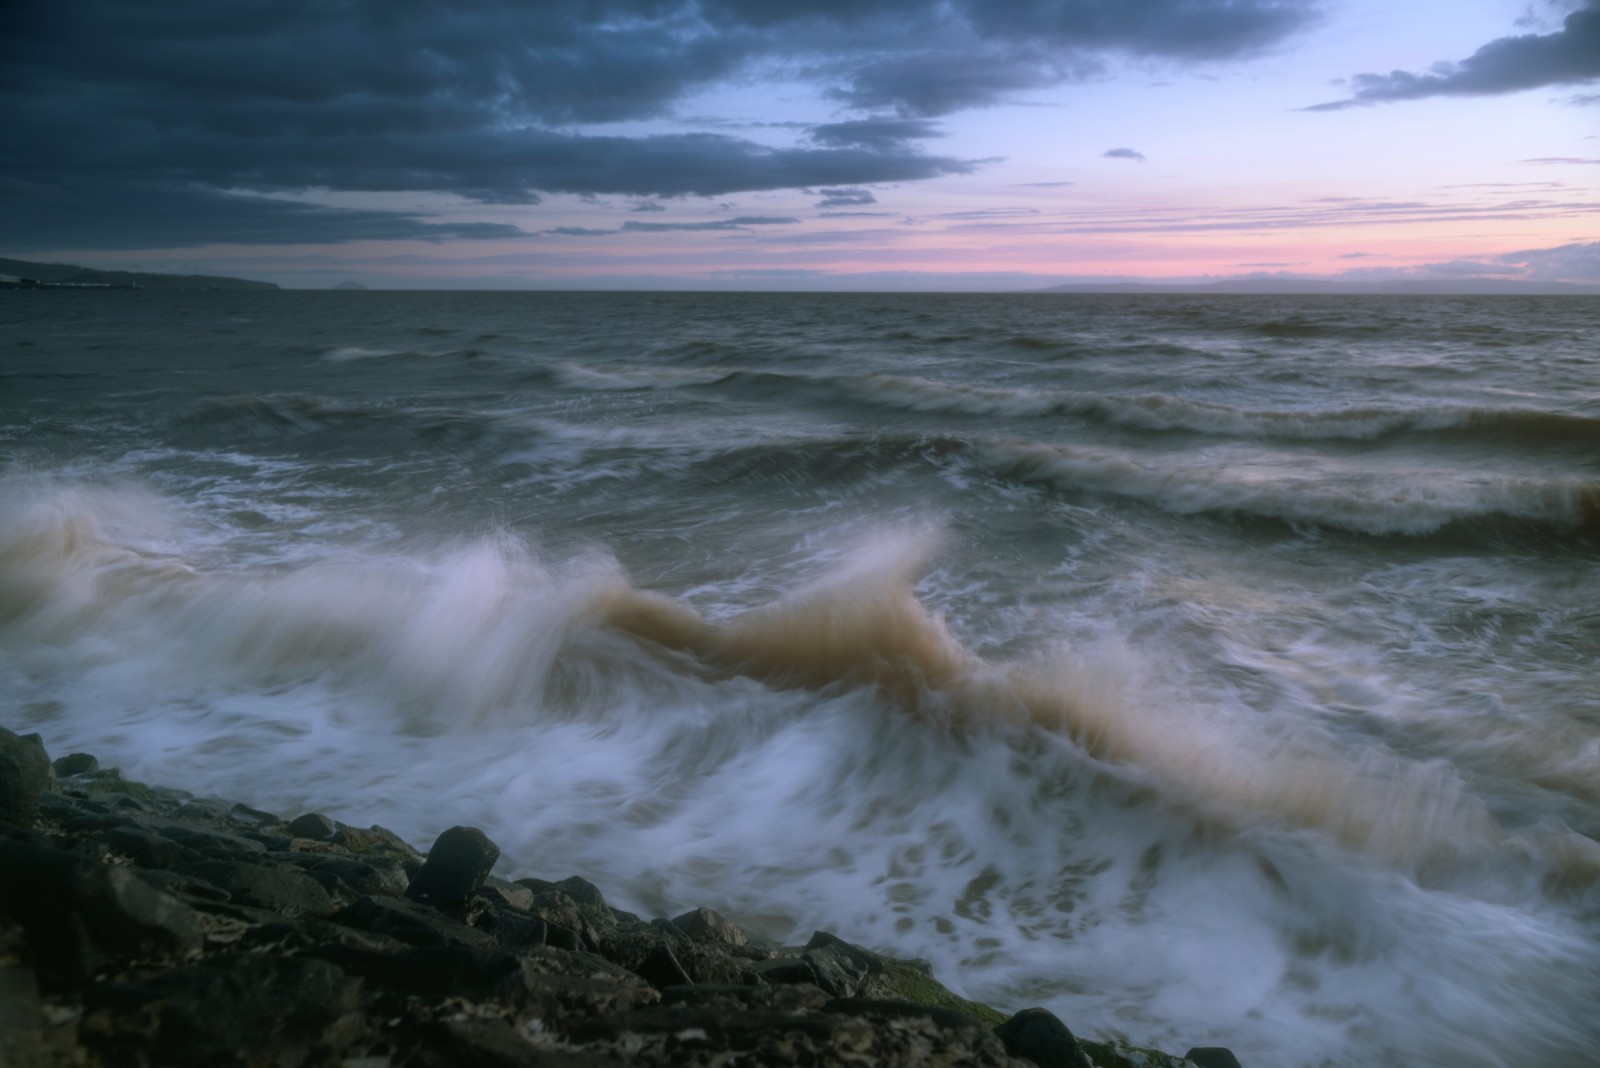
(141, 925)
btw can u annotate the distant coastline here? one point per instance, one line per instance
(1330, 287)
(25, 274)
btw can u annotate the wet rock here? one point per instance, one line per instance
(239, 1009)
(1212, 1057)
(147, 849)
(514, 928)
(473, 1044)
(76, 764)
(703, 925)
(456, 867)
(410, 922)
(430, 971)
(208, 840)
(76, 911)
(375, 839)
(518, 897)
(661, 969)
(1038, 1036)
(25, 774)
(313, 825)
(374, 874)
(283, 890)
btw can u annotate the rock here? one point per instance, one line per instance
(474, 1044)
(76, 911)
(1212, 1057)
(313, 825)
(147, 849)
(518, 897)
(24, 775)
(76, 764)
(456, 867)
(431, 971)
(374, 839)
(238, 1009)
(703, 925)
(1037, 1035)
(410, 922)
(661, 969)
(283, 890)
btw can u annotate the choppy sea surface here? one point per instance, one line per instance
(1210, 670)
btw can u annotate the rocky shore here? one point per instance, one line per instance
(142, 926)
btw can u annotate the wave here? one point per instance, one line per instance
(488, 630)
(1375, 503)
(1161, 411)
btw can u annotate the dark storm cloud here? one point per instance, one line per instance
(1124, 153)
(1570, 56)
(491, 100)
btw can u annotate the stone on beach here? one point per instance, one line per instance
(456, 866)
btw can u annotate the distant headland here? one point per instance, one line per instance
(23, 274)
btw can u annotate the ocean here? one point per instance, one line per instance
(1209, 670)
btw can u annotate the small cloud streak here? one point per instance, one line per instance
(1123, 153)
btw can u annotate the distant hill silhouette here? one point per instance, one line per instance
(70, 274)
(1269, 286)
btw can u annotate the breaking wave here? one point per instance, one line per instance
(489, 631)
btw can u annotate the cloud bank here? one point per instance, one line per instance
(172, 123)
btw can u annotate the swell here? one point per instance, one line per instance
(1166, 412)
(488, 631)
(1374, 503)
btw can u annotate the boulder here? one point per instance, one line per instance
(703, 925)
(1212, 1057)
(24, 775)
(1037, 1035)
(76, 764)
(313, 825)
(456, 867)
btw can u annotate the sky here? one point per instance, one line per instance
(803, 144)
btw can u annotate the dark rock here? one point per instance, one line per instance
(661, 969)
(1037, 1035)
(76, 910)
(239, 1009)
(456, 867)
(410, 922)
(514, 928)
(76, 764)
(839, 972)
(473, 1044)
(594, 924)
(188, 886)
(582, 891)
(375, 839)
(313, 825)
(246, 814)
(429, 971)
(283, 890)
(25, 774)
(207, 840)
(703, 925)
(518, 897)
(375, 874)
(1213, 1057)
(147, 849)
(785, 970)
